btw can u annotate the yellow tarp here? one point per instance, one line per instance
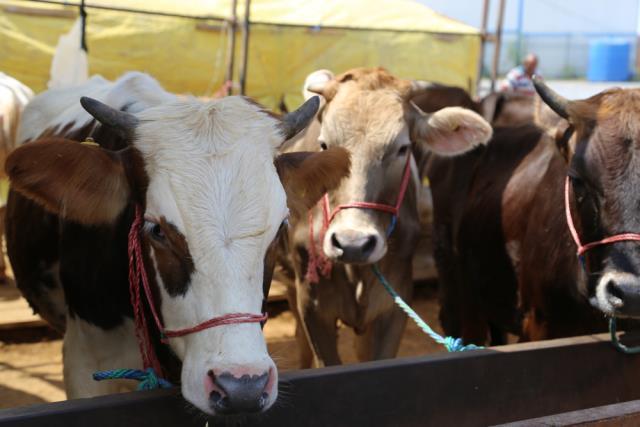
(288, 40)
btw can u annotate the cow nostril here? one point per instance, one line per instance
(613, 290)
(219, 402)
(369, 245)
(335, 242)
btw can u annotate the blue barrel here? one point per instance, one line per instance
(608, 60)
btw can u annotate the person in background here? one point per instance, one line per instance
(519, 79)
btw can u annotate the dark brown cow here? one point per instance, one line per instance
(505, 256)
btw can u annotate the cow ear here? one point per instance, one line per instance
(79, 182)
(451, 131)
(307, 176)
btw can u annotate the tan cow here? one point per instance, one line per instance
(367, 112)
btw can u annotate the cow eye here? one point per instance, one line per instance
(154, 230)
(403, 150)
(579, 189)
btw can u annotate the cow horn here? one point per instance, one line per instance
(418, 86)
(297, 120)
(120, 121)
(554, 100)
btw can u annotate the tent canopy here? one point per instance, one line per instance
(183, 44)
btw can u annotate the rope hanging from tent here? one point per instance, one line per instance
(83, 26)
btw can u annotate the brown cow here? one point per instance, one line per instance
(368, 113)
(506, 257)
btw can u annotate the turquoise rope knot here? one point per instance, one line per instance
(148, 378)
(450, 343)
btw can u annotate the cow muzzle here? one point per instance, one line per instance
(239, 392)
(354, 246)
(618, 294)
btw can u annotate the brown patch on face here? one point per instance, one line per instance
(307, 176)
(79, 182)
(171, 251)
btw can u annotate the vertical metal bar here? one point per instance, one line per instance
(483, 41)
(519, 30)
(498, 43)
(231, 45)
(83, 27)
(245, 47)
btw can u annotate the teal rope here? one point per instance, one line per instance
(149, 380)
(450, 343)
(616, 343)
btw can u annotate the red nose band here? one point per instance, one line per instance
(137, 275)
(318, 263)
(582, 248)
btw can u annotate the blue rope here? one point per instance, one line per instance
(450, 343)
(616, 343)
(149, 380)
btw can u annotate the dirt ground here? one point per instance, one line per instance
(31, 373)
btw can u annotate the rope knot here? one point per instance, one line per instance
(148, 378)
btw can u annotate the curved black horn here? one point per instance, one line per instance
(554, 100)
(297, 120)
(120, 121)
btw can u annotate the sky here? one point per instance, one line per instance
(549, 16)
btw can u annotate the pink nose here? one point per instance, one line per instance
(231, 394)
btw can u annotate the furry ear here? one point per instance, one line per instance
(307, 176)
(83, 183)
(451, 131)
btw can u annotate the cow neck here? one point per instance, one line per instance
(138, 278)
(320, 265)
(583, 248)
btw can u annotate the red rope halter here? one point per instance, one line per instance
(318, 263)
(137, 275)
(574, 233)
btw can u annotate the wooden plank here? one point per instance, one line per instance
(484, 387)
(619, 415)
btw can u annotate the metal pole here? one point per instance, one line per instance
(231, 46)
(83, 27)
(483, 41)
(520, 20)
(245, 47)
(498, 43)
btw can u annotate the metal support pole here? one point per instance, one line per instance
(483, 41)
(498, 43)
(231, 46)
(245, 47)
(83, 27)
(519, 53)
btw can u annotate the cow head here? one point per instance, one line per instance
(368, 112)
(601, 144)
(214, 197)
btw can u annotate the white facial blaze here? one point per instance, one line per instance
(212, 175)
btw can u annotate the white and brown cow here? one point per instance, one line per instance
(367, 112)
(14, 96)
(214, 196)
